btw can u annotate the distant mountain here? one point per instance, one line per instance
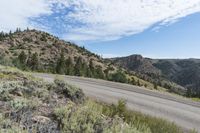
(184, 72)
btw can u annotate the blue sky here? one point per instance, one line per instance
(153, 28)
(177, 40)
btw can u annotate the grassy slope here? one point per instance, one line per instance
(67, 109)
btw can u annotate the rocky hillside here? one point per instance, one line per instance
(39, 51)
(47, 47)
(33, 50)
(138, 64)
(185, 73)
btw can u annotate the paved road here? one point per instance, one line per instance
(182, 111)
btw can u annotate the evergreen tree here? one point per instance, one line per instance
(22, 58)
(138, 82)
(78, 67)
(69, 66)
(133, 82)
(20, 62)
(88, 72)
(33, 62)
(84, 69)
(106, 72)
(18, 30)
(10, 33)
(99, 73)
(2, 35)
(60, 65)
(189, 92)
(91, 68)
(155, 86)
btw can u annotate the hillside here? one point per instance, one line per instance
(33, 50)
(185, 72)
(47, 48)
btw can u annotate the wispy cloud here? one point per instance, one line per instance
(79, 20)
(16, 13)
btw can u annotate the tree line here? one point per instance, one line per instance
(68, 66)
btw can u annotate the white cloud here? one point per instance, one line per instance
(81, 20)
(112, 19)
(16, 13)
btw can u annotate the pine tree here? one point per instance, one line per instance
(155, 86)
(69, 66)
(88, 72)
(133, 82)
(33, 62)
(99, 73)
(138, 82)
(18, 30)
(91, 68)
(21, 60)
(60, 66)
(78, 67)
(189, 92)
(10, 33)
(2, 35)
(84, 69)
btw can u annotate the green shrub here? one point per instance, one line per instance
(88, 118)
(19, 103)
(141, 121)
(119, 76)
(73, 93)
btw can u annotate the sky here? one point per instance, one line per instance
(111, 28)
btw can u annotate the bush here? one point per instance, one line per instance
(88, 118)
(73, 93)
(140, 121)
(119, 76)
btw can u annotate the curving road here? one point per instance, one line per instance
(182, 111)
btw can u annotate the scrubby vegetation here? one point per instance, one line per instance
(31, 105)
(33, 50)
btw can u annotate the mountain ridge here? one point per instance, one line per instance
(184, 72)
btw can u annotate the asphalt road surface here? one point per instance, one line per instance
(183, 112)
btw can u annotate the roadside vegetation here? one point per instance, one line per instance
(28, 104)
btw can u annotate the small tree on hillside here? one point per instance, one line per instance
(155, 86)
(33, 62)
(20, 62)
(84, 68)
(138, 83)
(91, 69)
(22, 58)
(99, 73)
(78, 67)
(133, 82)
(69, 66)
(60, 65)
